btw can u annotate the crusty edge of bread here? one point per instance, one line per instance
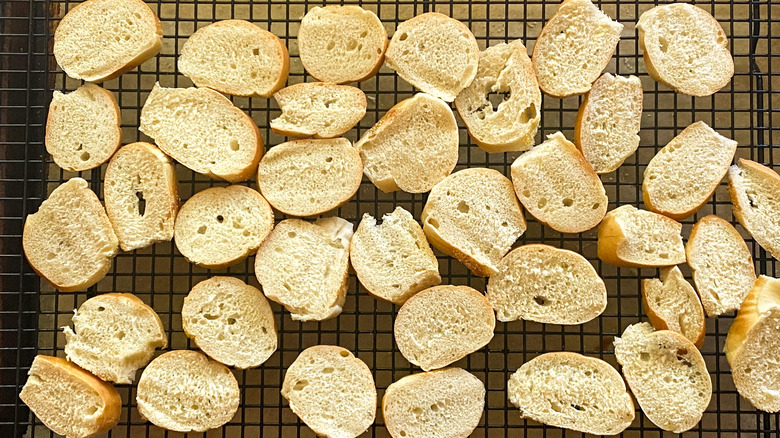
(610, 236)
(659, 323)
(749, 314)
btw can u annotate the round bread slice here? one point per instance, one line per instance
(113, 336)
(685, 48)
(221, 226)
(666, 374)
(235, 57)
(184, 391)
(634, 238)
(411, 148)
(69, 241)
(82, 129)
(230, 321)
(318, 110)
(446, 403)
(443, 324)
(672, 304)
(545, 284)
(755, 198)
(340, 44)
(310, 177)
(142, 195)
(204, 131)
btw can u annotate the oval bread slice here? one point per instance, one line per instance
(755, 198)
(318, 110)
(672, 304)
(630, 237)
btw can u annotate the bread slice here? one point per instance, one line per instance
(672, 304)
(142, 195)
(340, 44)
(511, 125)
(630, 237)
(201, 129)
(446, 403)
(310, 177)
(221, 226)
(608, 122)
(69, 240)
(411, 148)
(574, 47)
(572, 391)
(558, 187)
(114, 335)
(332, 391)
(443, 324)
(545, 284)
(755, 199)
(751, 346)
(69, 400)
(230, 321)
(304, 266)
(392, 260)
(184, 391)
(666, 374)
(685, 48)
(82, 129)
(318, 110)
(473, 215)
(435, 53)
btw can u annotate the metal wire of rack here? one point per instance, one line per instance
(31, 312)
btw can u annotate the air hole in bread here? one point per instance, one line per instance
(596, 205)
(403, 37)
(529, 113)
(435, 407)
(101, 308)
(352, 44)
(327, 370)
(402, 433)
(210, 317)
(663, 255)
(231, 321)
(526, 193)
(668, 379)
(497, 98)
(542, 301)
(556, 406)
(141, 203)
(542, 202)
(119, 335)
(663, 44)
(417, 411)
(588, 373)
(256, 52)
(84, 156)
(91, 410)
(433, 222)
(51, 256)
(328, 159)
(299, 385)
(567, 202)
(202, 229)
(233, 65)
(463, 207)
(644, 356)
(748, 370)
(578, 407)
(234, 145)
(344, 353)
(331, 45)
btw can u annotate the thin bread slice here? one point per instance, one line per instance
(473, 215)
(304, 266)
(666, 374)
(630, 237)
(446, 403)
(685, 48)
(69, 400)
(318, 109)
(235, 57)
(545, 284)
(755, 199)
(608, 122)
(435, 53)
(69, 241)
(572, 391)
(672, 304)
(392, 260)
(574, 47)
(99, 40)
(412, 147)
(558, 187)
(204, 131)
(511, 125)
(82, 129)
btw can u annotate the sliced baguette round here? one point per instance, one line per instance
(443, 324)
(392, 260)
(672, 304)
(69, 400)
(221, 226)
(69, 241)
(435, 53)
(82, 129)
(318, 109)
(755, 199)
(184, 391)
(204, 131)
(545, 284)
(310, 177)
(446, 403)
(572, 391)
(558, 187)
(230, 321)
(473, 215)
(99, 40)
(411, 148)
(511, 125)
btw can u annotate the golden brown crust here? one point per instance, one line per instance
(611, 237)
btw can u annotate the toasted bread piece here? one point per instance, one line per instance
(446, 403)
(685, 48)
(201, 129)
(235, 57)
(755, 199)
(511, 125)
(558, 187)
(473, 215)
(69, 400)
(672, 304)
(318, 110)
(572, 391)
(435, 53)
(630, 237)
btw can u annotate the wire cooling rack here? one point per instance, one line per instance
(31, 312)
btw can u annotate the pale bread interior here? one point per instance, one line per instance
(318, 110)
(672, 304)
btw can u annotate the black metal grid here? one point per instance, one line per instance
(31, 314)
